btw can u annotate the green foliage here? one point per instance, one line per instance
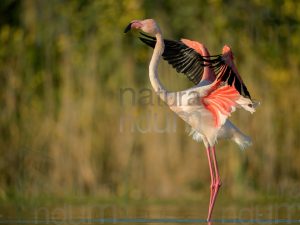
(64, 130)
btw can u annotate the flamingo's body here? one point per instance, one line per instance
(205, 107)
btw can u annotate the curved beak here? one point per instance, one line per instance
(128, 28)
(135, 24)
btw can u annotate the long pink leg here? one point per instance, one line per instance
(217, 183)
(212, 186)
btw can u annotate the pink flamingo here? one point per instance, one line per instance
(218, 90)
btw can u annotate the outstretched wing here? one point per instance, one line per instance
(183, 58)
(188, 61)
(226, 72)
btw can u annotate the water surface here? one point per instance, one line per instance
(187, 213)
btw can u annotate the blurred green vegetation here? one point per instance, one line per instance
(66, 129)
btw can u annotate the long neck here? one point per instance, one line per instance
(153, 68)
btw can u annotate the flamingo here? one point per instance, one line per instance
(218, 91)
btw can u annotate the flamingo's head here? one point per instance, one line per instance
(148, 26)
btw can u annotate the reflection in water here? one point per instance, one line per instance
(150, 221)
(276, 213)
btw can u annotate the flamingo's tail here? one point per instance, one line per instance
(242, 140)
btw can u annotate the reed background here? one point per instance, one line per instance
(77, 117)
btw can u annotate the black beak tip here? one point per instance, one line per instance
(128, 28)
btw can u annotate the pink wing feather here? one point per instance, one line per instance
(198, 47)
(221, 103)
